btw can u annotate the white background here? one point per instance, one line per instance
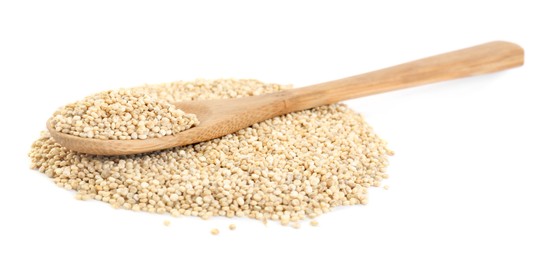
(473, 174)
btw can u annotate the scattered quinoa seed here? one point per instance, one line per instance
(232, 227)
(214, 231)
(167, 223)
(386, 187)
(314, 223)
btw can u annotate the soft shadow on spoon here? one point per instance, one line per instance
(221, 117)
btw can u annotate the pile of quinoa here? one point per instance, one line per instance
(121, 115)
(285, 169)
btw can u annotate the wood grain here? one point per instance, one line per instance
(222, 117)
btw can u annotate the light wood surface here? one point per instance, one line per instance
(222, 117)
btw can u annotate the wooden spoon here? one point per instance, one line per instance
(225, 116)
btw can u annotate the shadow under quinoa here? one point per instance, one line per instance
(285, 169)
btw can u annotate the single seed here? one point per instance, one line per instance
(167, 223)
(215, 231)
(232, 227)
(314, 223)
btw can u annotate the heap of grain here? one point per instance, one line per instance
(285, 169)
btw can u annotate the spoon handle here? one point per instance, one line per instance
(481, 59)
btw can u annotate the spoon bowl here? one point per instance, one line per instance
(217, 118)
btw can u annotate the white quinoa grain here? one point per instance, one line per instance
(314, 223)
(215, 231)
(167, 223)
(284, 169)
(232, 227)
(113, 115)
